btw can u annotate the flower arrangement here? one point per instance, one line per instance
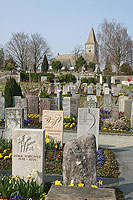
(70, 123)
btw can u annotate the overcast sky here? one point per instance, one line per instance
(63, 23)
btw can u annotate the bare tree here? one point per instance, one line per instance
(78, 51)
(115, 44)
(38, 48)
(17, 47)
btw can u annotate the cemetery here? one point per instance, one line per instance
(54, 130)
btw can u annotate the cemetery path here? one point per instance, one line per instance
(122, 146)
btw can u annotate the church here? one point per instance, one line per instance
(90, 53)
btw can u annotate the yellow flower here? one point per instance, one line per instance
(100, 183)
(44, 195)
(80, 185)
(10, 155)
(68, 117)
(58, 182)
(5, 151)
(47, 140)
(46, 135)
(18, 177)
(94, 186)
(14, 177)
(104, 128)
(6, 157)
(34, 171)
(71, 184)
(73, 118)
(1, 155)
(10, 181)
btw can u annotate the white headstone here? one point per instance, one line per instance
(107, 102)
(88, 122)
(92, 97)
(101, 79)
(2, 107)
(28, 148)
(90, 89)
(106, 90)
(122, 100)
(132, 116)
(112, 80)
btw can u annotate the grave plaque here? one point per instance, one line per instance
(44, 105)
(28, 149)
(33, 104)
(2, 107)
(88, 122)
(93, 97)
(70, 105)
(90, 89)
(115, 112)
(14, 118)
(52, 123)
(132, 117)
(128, 104)
(107, 102)
(122, 100)
(22, 103)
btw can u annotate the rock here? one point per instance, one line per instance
(61, 192)
(79, 161)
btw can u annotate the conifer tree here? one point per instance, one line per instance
(44, 66)
(12, 88)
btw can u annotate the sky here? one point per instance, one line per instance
(64, 24)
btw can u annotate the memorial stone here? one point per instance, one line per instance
(105, 85)
(115, 92)
(59, 96)
(128, 107)
(33, 104)
(106, 90)
(115, 112)
(70, 106)
(90, 89)
(122, 100)
(43, 78)
(45, 104)
(2, 107)
(52, 123)
(112, 80)
(107, 102)
(28, 147)
(88, 122)
(93, 97)
(15, 99)
(22, 103)
(119, 86)
(132, 117)
(54, 103)
(90, 104)
(14, 118)
(101, 79)
(98, 89)
(79, 161)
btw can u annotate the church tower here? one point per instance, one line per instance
(91, 46)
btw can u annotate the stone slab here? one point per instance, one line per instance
(14, 118)
(44, 105)
(88, 122)
(132, 116)
(33, 104)
(128, 105)
(107, 102)
(115, 112)
(61, 192)
(22, 103)
(2, 107)
(52, 123)
(14, 100)
(106, 90)
(122, 100)
(28, 149)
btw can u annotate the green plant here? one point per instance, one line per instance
(12, 88)
(44, 94)
(44, 66)
(56, 65)
(5, 144)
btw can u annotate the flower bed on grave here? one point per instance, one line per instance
(120, 125)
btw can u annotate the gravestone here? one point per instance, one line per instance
(93, 97)
(105, 85)
(90, 104)
(63, 192)
(107, 102)
(54, 103)
(128, 107)
(14, 118)
(132, 117)
(115, 92)
(122, 100)
(33, 104)
(43, 78)
(44, 105)
(90, 89)
(2, 107)
(98, 89)
(115, 112)
(65, 89)
(79, 161)
(22, 103)
(70, 105)
(101, 79)
(28, 147)
(112, 79)
(88, 122)
(106, 90)
(119, 86)
(72, 89)
(15, 99)
(52, 123)
(59, 96)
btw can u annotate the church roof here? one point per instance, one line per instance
(91, 38)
